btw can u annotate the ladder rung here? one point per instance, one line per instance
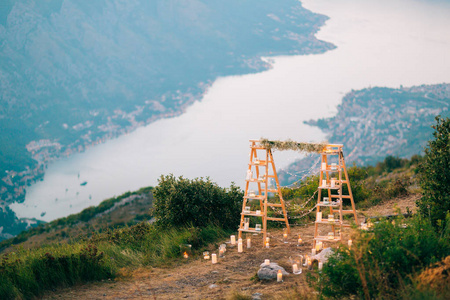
(272, 191)
(343, 196)
(326, 239)
(271, 176)
(275, 204)
(347, 211)
(251, 230)
(276, 219)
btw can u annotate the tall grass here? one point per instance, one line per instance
(29, 273)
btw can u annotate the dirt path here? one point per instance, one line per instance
(199, 279)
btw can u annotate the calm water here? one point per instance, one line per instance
(380, 43)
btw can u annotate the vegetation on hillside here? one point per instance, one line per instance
(392, 259)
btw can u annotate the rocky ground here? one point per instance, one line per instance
(235, 274)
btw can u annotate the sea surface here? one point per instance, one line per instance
(379, 43)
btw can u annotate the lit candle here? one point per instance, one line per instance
(300, 241)
(350, 243)
(330, 218)
(330, 236)
(214, 258)
(206, 255)
(319, 216)
(320, 265)
(267, 262)
(279, 276)
(285, 238)
(321, 245)
(309, 263)
(249, 243)
(240, 247)
(294, 268)
(221, 252)
(324, 182)
(267, 242)
(233, 240)
(185, 254)
(317, 247)
(313, 251)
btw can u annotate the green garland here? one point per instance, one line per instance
(293, 145)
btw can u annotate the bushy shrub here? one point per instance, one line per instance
(435, 175)
(198, 202)
(383, 259)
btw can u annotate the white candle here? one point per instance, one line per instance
(249, 243)
(330, 218)
(320, 265)
(299, 241)
(317, 247)
(233, 240)
(240, 247)
(258, 212)
(321, 245)
(214, 258)
(319, 216)
(350, 243)
(313, 251)
(333, 182)
(324, 182)
(249, 174)
(279, 276)
(267, 242)
(267, 262)
(294, 268)
(324, 166)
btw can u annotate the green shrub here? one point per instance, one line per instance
(382, 260)
(435, 175)
(197, 202)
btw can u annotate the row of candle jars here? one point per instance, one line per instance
(333, 182)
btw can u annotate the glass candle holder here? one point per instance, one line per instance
(206, 255)
(247, 209)
(249, 175)
(186, 250)
(251, 193)
(258, 212)
(330, 235)
(326, 200)
(246, 223)
(258, 227)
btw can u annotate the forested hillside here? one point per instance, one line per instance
(75, 73)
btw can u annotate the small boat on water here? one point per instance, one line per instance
(83, 183)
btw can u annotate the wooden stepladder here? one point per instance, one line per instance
(333, 178)
(261, 180)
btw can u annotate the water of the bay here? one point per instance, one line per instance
(379, 43)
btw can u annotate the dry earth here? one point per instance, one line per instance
(199, 279)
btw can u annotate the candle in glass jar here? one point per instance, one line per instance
(324, 182)
(249, 243)
(267, 243)
(221, 252)
(330, 236)
(330, 218)
(279, 276)
(233, 240)
(294, 268)
(214, 258)
(240, 248)
(206, 255)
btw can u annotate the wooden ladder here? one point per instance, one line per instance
(333, 177)
(261, 173)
